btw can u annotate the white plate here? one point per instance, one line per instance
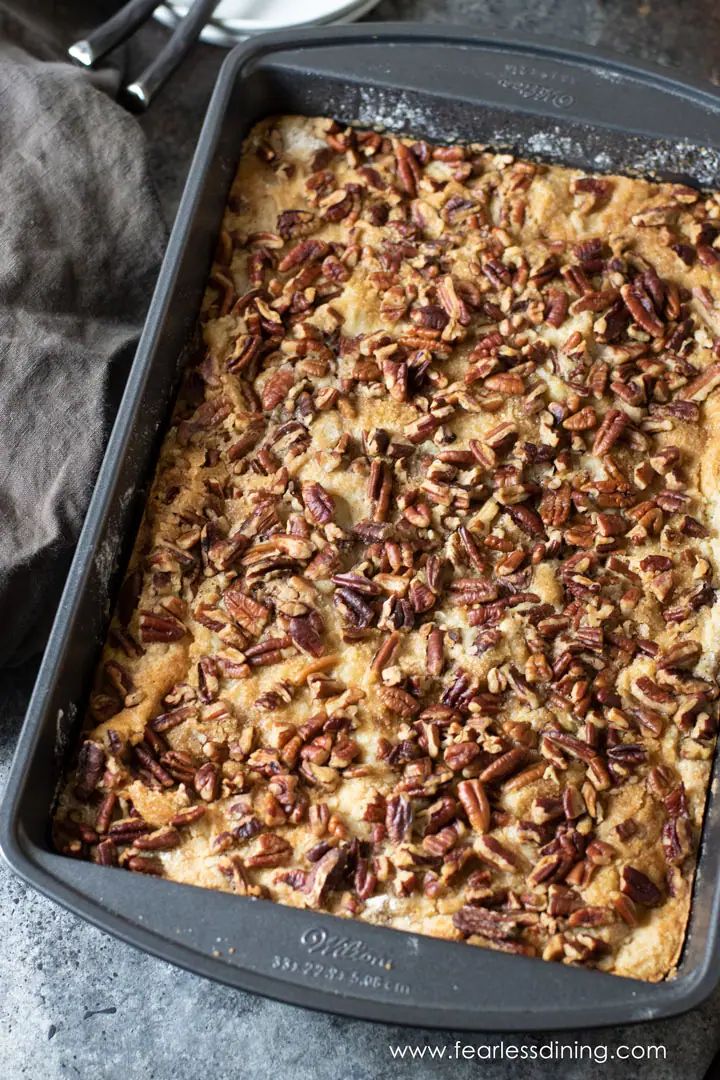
(236, 19)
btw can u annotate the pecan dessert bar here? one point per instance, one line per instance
(420, 625)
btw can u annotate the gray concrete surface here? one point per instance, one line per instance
(75, 1003)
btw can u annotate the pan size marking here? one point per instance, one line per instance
(348, 977)
(538, 74)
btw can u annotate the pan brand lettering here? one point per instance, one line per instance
(319, 942)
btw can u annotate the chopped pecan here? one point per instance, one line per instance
(398, 817)
(471, 794)
(495, 925)
(292, 223)
(702, 386)
(306, 632)
(307, 251)
(459, 755)
(319, 504)
(555, 506)
(556, 308)
(107, 853)
(639, 888)
(276, 388)
(143, 865)
(90, 767)
(474, 590)
(504, 765)
(248, 613)
(207, 782)
(399, 702)
(492, 851)
(571, 745)
(162, 839)
(105, 812)
(434, 658)
(681, 654)
(408, 169)
(380, 485)
(640, 303)
(326, 875)
(611, 429)
(272, 851)
(365, 881)
(160, 627)
(583, 420)
(187, 817)
(127, 830)
(526, 519)
(599, 189)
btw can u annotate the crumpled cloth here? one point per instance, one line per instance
(81, 237)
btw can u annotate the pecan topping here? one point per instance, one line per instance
(417, 616)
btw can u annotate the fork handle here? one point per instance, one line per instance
(118, 28)
(140, 92)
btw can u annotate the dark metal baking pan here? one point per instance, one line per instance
(576, 107)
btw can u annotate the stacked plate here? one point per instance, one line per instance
(237, 19)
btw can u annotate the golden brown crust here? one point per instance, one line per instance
(420, 623)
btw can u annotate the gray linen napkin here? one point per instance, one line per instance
(81, 238)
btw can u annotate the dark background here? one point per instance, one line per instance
(74, 1002)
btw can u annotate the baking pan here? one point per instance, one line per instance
(579, 108)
